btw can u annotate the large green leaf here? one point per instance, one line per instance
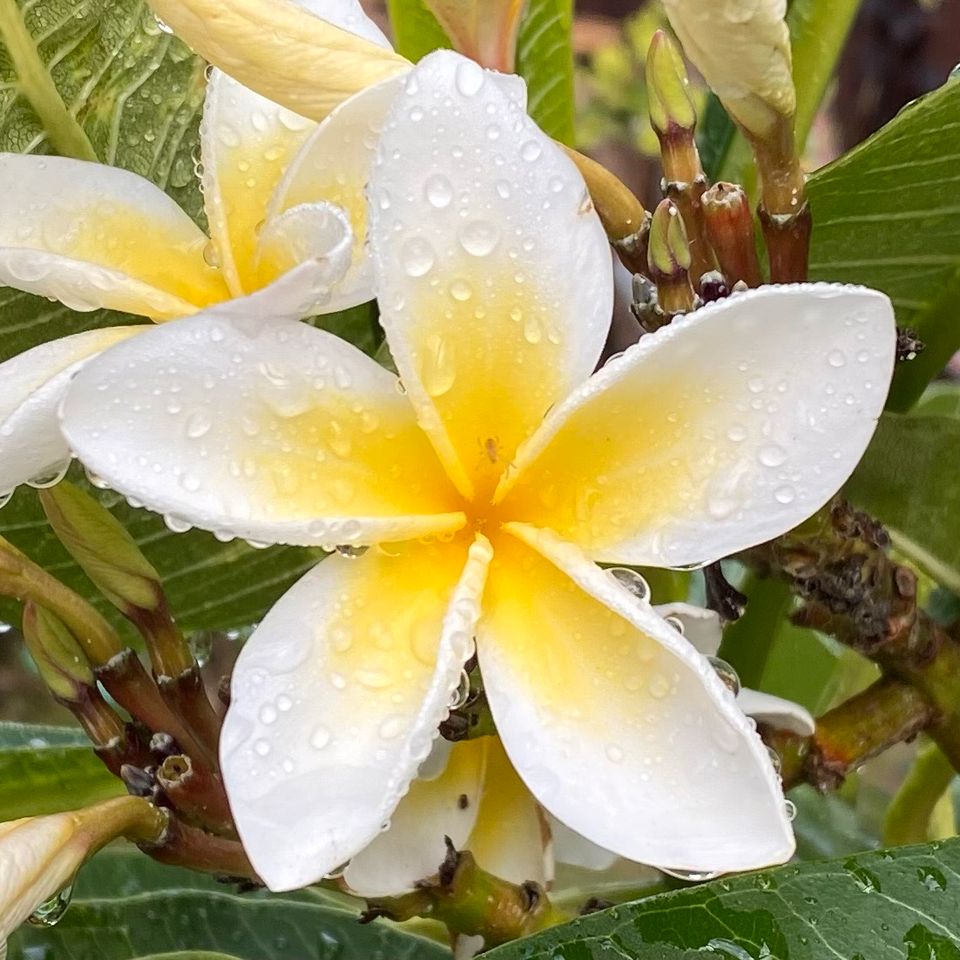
(909, 478)
(544, 54)
(245, 928)
(902, 903)
(48, 769)
(885, 215)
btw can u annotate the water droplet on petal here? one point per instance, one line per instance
(480, 238)
(51, 476)
(417, 257)
(198, 424)
(531, 151)
(836, 358)
(785, 494)
(51, 911)
(689, 876)
(462, 694)
(438, 191)
(729, 676)
(201, 646)
(350, 552)
(320, 738)
(439, 372)
(632, 581)
(772, 455)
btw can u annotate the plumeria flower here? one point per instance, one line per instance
(487, 482)
(470, 792)
(284, 200)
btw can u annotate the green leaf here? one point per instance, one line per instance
(885, 215)
(828, 826)
(818, 29)
(544, 54)
(902, 903)
(940, 398)
(909, 479)
(257, 928)
(211, 585)
(49, 769)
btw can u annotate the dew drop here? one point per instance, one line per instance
(349, 551)
(210, 256)
(729, 676)
(391, 728)
(614, 753)
(836, 358)
(690, 876)
(438, 372)
(531, 151)
(49, 477)
(658, 686)
(480, 238)
(320, 738)
(261, 748)
(790, 809)
(51, 911)
(461, 695)
(469, 78)
(461, 291)
(439, 191)
(417, 257)
(772, 455)
(163, 27)
(5, 497)
(632, 581)
(785, 494)
(198, 424)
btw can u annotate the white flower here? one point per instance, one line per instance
(742, 48)
(487, 485)
(284, 201)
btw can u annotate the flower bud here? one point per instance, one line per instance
(669, 260)
(485, 30)
(103, 549)
(61, 663)
(283, 51)
(668, 88)
(39, 856)
(742, 48)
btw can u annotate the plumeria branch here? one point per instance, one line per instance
(837, 562)
(472, 902)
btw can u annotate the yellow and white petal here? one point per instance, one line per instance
(32, 385)
(776, 712)
(510, 837)
(336, 699)
(274, 431)
(616, 724)
(95, 236)
(334, 166)
(413, 848)
(489, 319)
(702, 627)
(246, 143)
(283, 50)
(721, 431)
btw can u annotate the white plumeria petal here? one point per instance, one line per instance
(246, 143)
(334, 166)
(413, 848)
(510, 837)
(489, 319)
(720, 431)
(32, 385)
(577, 851)
(95, 236)
(350, 15)
(616, 724)
(702, 627)
(336, 699)
(776, 712)
(273, 431)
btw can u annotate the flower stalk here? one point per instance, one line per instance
(673, 115)
(472, 902)
(730, 231)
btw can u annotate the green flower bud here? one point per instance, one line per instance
(62, 665)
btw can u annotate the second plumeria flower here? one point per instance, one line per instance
(283, 198)
(488, 482)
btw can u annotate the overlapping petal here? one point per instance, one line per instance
(32, 385)
(490, 320)
(274, 431)
(619, 728)
(247, 142)
(413, 848)
(94, 236)
(336, 699)
(294, 54)
(719, 432)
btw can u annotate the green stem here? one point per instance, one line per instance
(910, 816)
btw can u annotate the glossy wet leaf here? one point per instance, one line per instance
(885, 215)
(909, 479)
(48, 769)
(242, 927)
(544, 54)
(874, 906)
